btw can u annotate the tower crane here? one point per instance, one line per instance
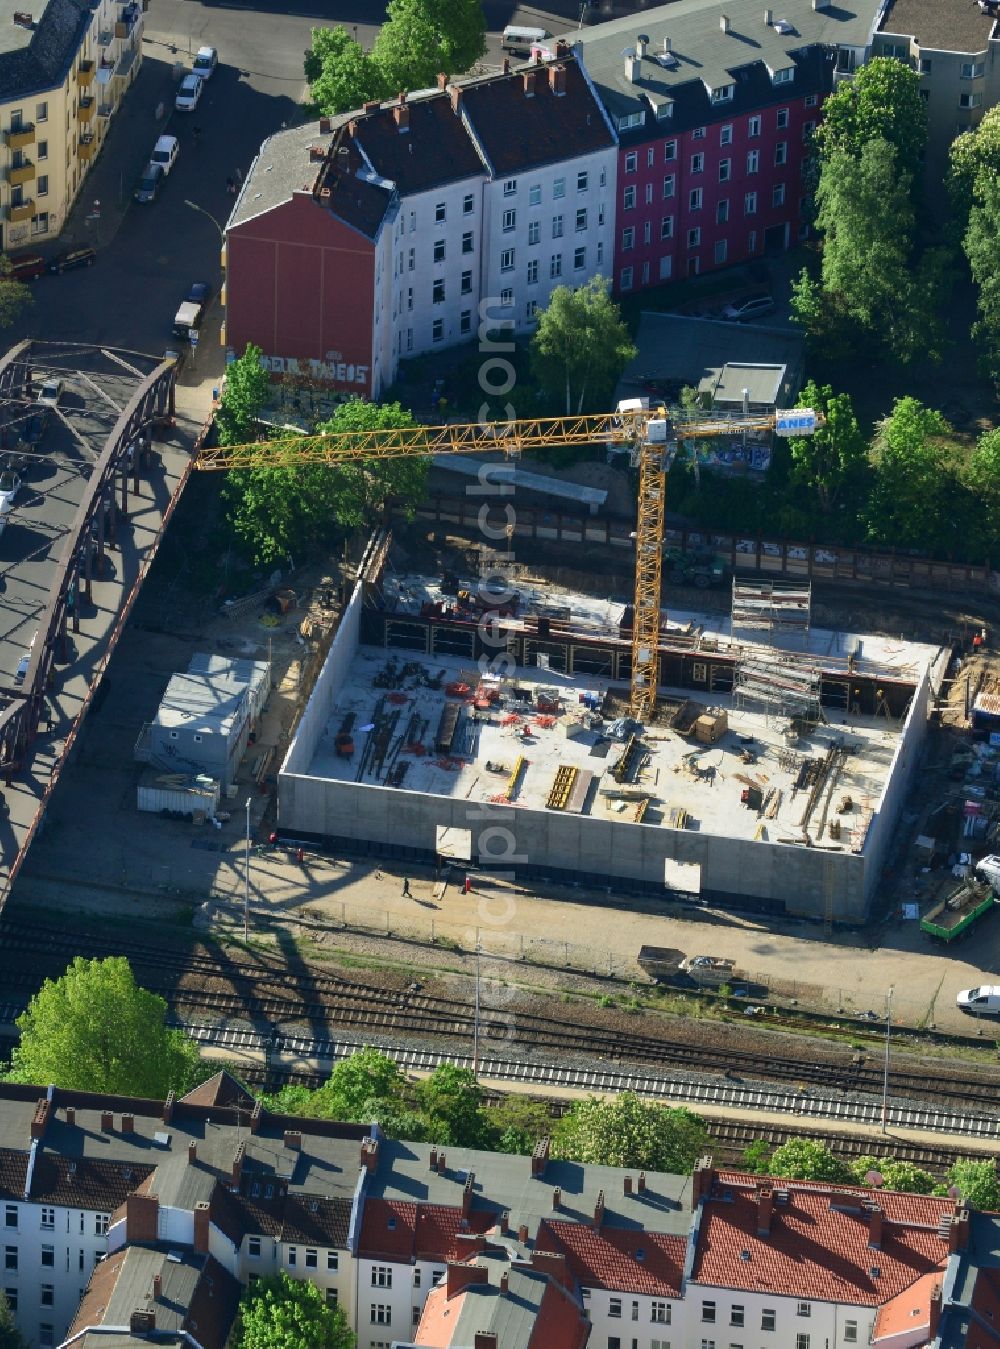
(650, 435)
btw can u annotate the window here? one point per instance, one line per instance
(534, 231)
(722, 212)
(600, 215)
(467, 243)
(437, 294)
(381, 1276)
(468, 204)
(46, 1336)
(650, 156)
(751, 243)
(48, 1298)
(808, 128)
(17, 119)
(666, 267)
(10, 1257)
(439, 250)
(381, 1314)
(579, 258)
(558, 188)
(782, 118)
(649, 194)
(614, 1342)
(694, 237)
(660, 1313)
(698, 134)
(312, 1259)
(850, 1332)
(753, 126)
(724, 93)
(507, 298)
(669, 185)
(707, 1344)
(413, 222)
(753, 161)
(750, 204)
(533, 272)
(332, 1297)
(42, 150)
(510, 187)
(41, 112)
(465, 321)
(412, 260)
(812, 100)
(778, 194)
(530, 310)
(48, 1257)
(925, 65)
(628, 199)
(801, 1340)
(466, 287)
(48, 1217)
(767, 1317)
(631, 162)
(647, 231)
(440, 212)
(416, 1276)
(736, 1316)
(10, 1215)
(628, 238)
(669, 151)
(667, 227)
(781, 153)
(11, 1298)
(582, 181)
(708, 1311)
(970, 101)
(600, 251)
(253, 1248)
(293, 1255)
(509, 221)
(615, 1306)
(437, 330)
(804, 1309)
(557, 226)
(694, 199)
(726, 134)
(604, 173)
(697, 163)
(784, 76)
(535, 194)
(507, 260)
(725, 170)
(555, 266)
(581, 221)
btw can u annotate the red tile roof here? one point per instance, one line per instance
(909, 1310)
(435, 148)
(609, 1258)
(212, 1309)
(814, 1250)
(986, 1298)
(85, 1182)
(559, 1323)
(13, 1173)
(421, 1231)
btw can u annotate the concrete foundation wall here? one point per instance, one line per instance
(905, 762)
(324, 694)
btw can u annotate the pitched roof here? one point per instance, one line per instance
(434, 149)
(221, 1089)
(618, 1259)
(38, 57)
(818, 1243)
(85, 1182)
(907, 1311)
(13, 1173)
(403, 1231)
(523, 1307)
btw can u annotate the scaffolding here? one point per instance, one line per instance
(786, 685)
(771, 606)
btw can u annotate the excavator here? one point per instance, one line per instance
(650, 435)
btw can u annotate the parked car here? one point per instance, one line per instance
(205, 62)
(189, 94)
(744, 310)
(26, 266)
(188, 316)
(983, 1001)
(25, 661)
(165, 153)
(10, 484)
(51, 391)
(68, 262)
(149, 184)
(200, 293)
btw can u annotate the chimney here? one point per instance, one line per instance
(40, 1118)
(157, 1286)
(768, 17)
(442, 81)
(875, 1227)
(71, 1114)
(935, 1310)
(522, 1234)
(485, 1339)
(255, 1117)
(324, 126)
(958, 1232)
(128, 1124)
(540, 1158)
(556, 1197)
(201, 1219)
(369, 1154)
(316, 154)
(373, 105)
(641, 45)
(724, 22)
(506, 65)
(192, 1152)
(238, 1164)
(599, 1210)
(548, 1262)
(401, 114)
(469, 1243)
(627, 1187)
(141, 1218)
(701, 1180)
(142, 1322)
(562, 49)
(442, 1164)
(504, 1282)
(459, 1277)
(293, 1139)
(819, 4)
(633, 68)
(528, 76)
(434, 1159)
(667, 46)
(107, 1121)
(765, 1206)
(557, 80)
(641, 1186)
(168, 1107)
(467, 1193)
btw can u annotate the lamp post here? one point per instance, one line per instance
(246, 881)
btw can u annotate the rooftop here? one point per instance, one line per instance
(616, 1259)
(940, 25)
(431, 149)
(38, 57)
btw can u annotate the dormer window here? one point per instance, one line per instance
(724, 93)
(783, 76)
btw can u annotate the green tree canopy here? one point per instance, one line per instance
(980, 245)
(422, 38)
(283, 1313)
(341, 74)
(14, 295)
(96, 1029)
(976, 1181)
(581, 345)
(805, 1159)
(983, 468)
(627, 1131)
(973, 164)
(882, 102)
(833, 460)
(913, 479)
(896, 1175)
(357, 1086)
(10, 1336)
(451, 1101)
(244, 395)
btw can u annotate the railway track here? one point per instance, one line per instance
(280, 997)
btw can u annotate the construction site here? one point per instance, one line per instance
(473, 726)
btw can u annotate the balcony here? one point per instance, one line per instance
(105, 37)
(22, 210)
(86, 147)
(18, 138)
(85, 110)
(20, 174)
(85, 74)
(127, 20)
(106, 110)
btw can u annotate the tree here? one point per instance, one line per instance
(983, 469)
(581, 344)
(979, 244)
(627, 1131)
(973, 163)
(95, 1029)
(358, 1085)
(14, 294)
(805, 1159)
(341, 74)
(283, 1313)
(976, 1182)
(832, 460)
(757, 1157)
(244, 395)
(422, 38)
(518, 1122)
(896, 1175)
(913, 479)
(281, 512)
(882, 102)
(10, 1336)
(451, 1101)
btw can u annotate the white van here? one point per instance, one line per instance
(517, 39)
(24, 662)
(983, 1001)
